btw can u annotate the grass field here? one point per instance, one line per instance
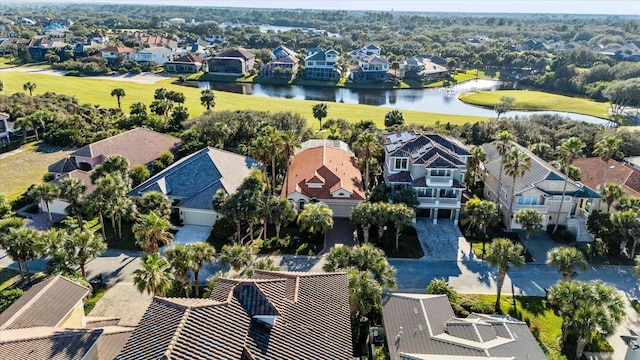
(97, 91)
(25, 166)
(537, 100)
(8, 277)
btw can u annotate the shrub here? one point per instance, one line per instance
(8, 297)
(441, 287)
(72, 73)
(301, 249)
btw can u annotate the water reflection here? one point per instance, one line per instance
(437, 100)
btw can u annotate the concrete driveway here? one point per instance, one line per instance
(189, 234)
(440, 242)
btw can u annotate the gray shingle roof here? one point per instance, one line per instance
(424, 325)
(47, 343)
(311, 313)
(540, 171)
(416, 142)
(44, 304)
(196, 178)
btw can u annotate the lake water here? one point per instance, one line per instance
(437, 100)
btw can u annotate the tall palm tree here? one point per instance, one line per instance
(569, 151)
(6, 241)
(72, 191)
(207, 99)
(474, 165)
(154, 276)
(29, 86)
(320, 112)
(611, 193)
(586, 309)
(316, 218)
(517, 163)
(150, 230)
(607, 148)
(274, 147)
(502, 146)
(625, 221)
(237, 256)
(567, 259)
(26, 244)
(283, 211)
(45, 193)
(503, 254)
(181, 259)
(367, 147)
(531, 220)
(365, 257)
(87, 246)
(201, 253)
(542, 150)
(119, 94)
(363, 215)
(400, 215)
(289, 144)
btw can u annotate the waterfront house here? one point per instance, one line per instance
(187, 64)
(234, 62)
(370, 68)
(159, 54)
(284, 64)
(322, 65)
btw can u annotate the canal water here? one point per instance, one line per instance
(437, 100)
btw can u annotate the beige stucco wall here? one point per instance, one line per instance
(74, 318)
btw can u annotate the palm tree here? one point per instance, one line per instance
(569, 151)
(181, 259)
(201, 253)
(45, 193)
(316, 218)
(474, 166)
(586, 309)
(502, 146)
(482, 214)
(363, 215)
(154, 276)
(611, 193)
(72, 191)
(119, 94)
(625, 221)
(26, 244)
(289, 143)
(607, 149)
(87, 246)
(6, 241)
(154, 201)
(367, 258)
(367, 147)
(517, 164)
(320, 112)
(114, 164)
(400, 215)
(531, 220)
(207, 99)
(274, 146)
(542, 150)
(283, 211)
(237, 256)
(566, 259)
(150, 230)
(503, 253)
(29, 86)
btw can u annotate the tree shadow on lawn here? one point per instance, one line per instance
(45, 148)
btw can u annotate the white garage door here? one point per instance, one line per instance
(191, 217)
(341, 210)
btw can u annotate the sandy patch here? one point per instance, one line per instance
(144, 78)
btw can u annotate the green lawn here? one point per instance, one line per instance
(97, 91)
(98, 291)
(537, 100)
(8, 277)
(25, 166)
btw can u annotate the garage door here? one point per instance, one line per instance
(190, 217)
(341, 210)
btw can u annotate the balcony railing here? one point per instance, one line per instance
(440, 181)
(439, 202)
(541, 208)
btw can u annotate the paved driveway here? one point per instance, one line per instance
(189, 234)
(340, 233)
(440, 242)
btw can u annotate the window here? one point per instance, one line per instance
(310, 63)
(401, 164)
(528, 200)
(440, 172)
(301, 205)
(559, 198)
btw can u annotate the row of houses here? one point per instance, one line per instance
(626, 52)
(272, 315)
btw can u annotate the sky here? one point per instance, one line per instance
(623, 7)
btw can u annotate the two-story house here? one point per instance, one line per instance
(234, 62)
(541, 189)
(284, 64)
(364, 52)
(433, 165)
(370, 68)
(187, 64)
(321, 65)
(112, 53)
(159, 54)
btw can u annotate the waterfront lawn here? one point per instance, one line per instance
(537, 100)
(97, 91)
(25, 166)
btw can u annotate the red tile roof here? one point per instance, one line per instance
(333, 167)
(118, 49)
(592, 170)
(189, 58)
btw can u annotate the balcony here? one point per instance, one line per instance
(543, 209)
(447, 203)
(440, 181)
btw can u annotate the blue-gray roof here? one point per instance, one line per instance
(196, 178)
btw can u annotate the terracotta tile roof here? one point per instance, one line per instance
(189, 58)
(424, 325)
(592, 170)
(118, 49)
(47, 343)
(45, 304)
(335, 167)
(276, 315)
(140, 146)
